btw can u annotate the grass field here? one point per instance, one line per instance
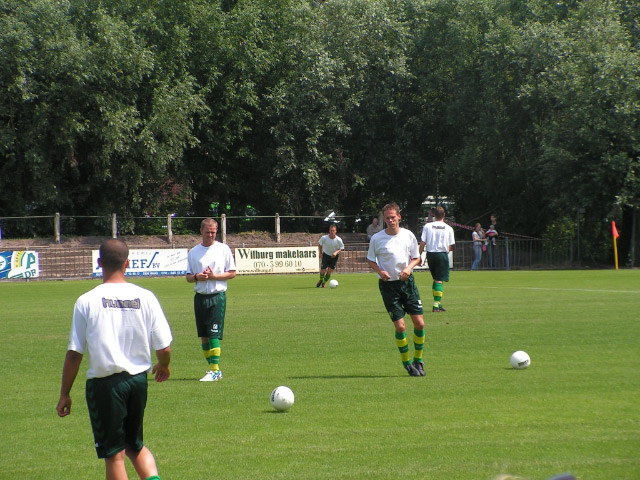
(357, 414)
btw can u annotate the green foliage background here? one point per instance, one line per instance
(525, 108)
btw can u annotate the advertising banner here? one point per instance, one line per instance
(149, 262)
(19, 264)
(277, 260)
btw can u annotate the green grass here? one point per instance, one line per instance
(357, 414)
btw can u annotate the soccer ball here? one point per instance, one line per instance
(520, 360)
(333, 283)
(281, 398)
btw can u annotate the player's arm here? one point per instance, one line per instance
(161, 369)
(69, 373)
(228, 275)
(406, 271)
(384, 276)
(191, 278)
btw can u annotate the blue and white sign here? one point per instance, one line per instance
(147, 263)
(19, 264)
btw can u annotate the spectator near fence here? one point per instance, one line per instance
(478, 238)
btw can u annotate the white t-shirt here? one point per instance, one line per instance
(437, 236)
(330, 245)
(217, 256)
(118, 324)
(393, 253)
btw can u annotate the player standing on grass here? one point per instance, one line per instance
(330, 247)
(209, 265)
(437, 237)
(393, 253)
(117, 324)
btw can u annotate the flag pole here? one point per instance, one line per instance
(615, 233)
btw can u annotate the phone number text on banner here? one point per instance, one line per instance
(277, 260)
(147, 263)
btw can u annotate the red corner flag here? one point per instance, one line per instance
(614, 230)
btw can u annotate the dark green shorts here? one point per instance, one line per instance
(210, 310)
(116, 408)
(329, 262)
(400, 298)
(438, 265)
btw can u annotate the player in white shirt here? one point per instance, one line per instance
(117, 324)
(393, 253)
(438, 239)
(209, 265)
(330, 247)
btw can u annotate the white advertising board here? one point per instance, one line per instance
(149, 262)
(277, 260)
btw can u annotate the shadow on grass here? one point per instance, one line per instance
(333, 377)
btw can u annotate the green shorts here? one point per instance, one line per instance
(116, 408)
(210, 310)
(400, 298)
(438, 265)
(329, 262)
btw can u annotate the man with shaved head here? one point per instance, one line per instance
(117, 324)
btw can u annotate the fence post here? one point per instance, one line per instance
(114, 226)
(223, 220)
(56, 227)
(277, 228)
(506, 254)
(169, 230)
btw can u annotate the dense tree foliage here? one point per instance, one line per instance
(525, 108)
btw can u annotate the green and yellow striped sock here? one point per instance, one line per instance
(212, 353)
(437, 290)
(326, 278)
(403, 347)
(418, 344)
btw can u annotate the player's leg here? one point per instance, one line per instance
(413, 306)
(322, 272)
(327, 276)
(144, 463)
(418, 343)
(439, 268)
(331, 266)
(210, 320)
(211, 350)
(403, 344)
(437, 289)
(391, 296)
(115, 468)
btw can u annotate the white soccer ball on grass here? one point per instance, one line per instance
(333, 283)
(282, 398)
(520, 360)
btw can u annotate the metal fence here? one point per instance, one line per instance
(60, 225)
(60, 261)
(517, 253)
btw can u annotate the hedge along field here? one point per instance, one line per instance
(357, 414)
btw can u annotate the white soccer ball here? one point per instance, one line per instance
(520, 360)
(281, 398)
(333, 283)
